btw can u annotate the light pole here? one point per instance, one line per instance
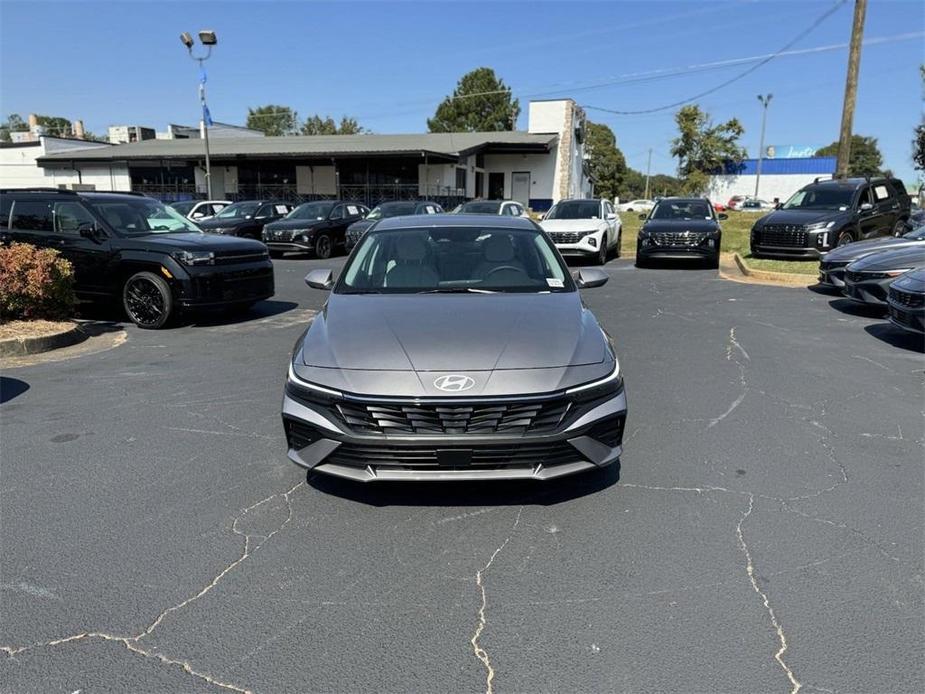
(765, 100)
(206, 38)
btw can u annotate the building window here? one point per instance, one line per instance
(461, 178)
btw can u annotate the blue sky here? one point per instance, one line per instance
(390, 63)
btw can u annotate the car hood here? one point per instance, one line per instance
(226, 223)
(799, 216)
(571, 224)
(859, 249)
(284, 224)
(194, 241)
(676, 225)
(399, 344)
(913, 257)
(360, 226)
(912, 282)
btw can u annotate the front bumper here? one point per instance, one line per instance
(832, 274)
(787, 252)
(651, 247)
(316, 441)
(294, 245)
(213, 286)
(872, 291)
(578, 244)
(910, 320)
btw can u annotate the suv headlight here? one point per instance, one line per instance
(195, 257)
(819, 226)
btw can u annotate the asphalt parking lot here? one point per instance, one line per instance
(764, 532)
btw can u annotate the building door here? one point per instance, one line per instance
(520, 187)
(479, 184)
(496, 186)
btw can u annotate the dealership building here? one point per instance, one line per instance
(780, 177)
(536, 167)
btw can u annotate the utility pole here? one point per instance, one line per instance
(765, 100)
(648, 169)
(851, 89)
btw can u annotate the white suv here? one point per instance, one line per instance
(200, 210)
(585, 228)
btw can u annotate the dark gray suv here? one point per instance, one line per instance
(454, 347)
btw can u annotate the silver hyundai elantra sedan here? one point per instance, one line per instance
(454, 347)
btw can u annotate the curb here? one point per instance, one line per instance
(738, 271)
(24, 346)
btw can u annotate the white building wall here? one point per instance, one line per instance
(542, 168)
(772, 186)
(436, 179)
(18, 168)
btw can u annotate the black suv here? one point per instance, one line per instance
(246, 218)
(319, 227)
(130, 247)
(827, 214)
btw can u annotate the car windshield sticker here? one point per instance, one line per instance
(553, 282)
(353, 209)
(282, 209)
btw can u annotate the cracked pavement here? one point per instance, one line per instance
(764, 532)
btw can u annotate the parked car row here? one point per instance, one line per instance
(883, 272)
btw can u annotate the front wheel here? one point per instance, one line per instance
(324, 246)
(844, 238)
(602, 254)
(147, 300)
(616, 250)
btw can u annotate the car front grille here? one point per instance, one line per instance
(782, 235)
(906, 299)
(513, 418)
(413, 456)
(852, 276)
(678, 238)
(234, 258)
(277, 234)
(234, 286)
(568, 236)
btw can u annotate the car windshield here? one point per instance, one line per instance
(238, 209)
(576, 209)
(827, 198)
(480, 208)
(454, 260)
(182, 207)
(137, 216)
(681, 209)
(311, 210)
(394, 209)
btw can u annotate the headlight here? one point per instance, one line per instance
(301, 389)
(609, 385)
(819, 226)
(195, 257)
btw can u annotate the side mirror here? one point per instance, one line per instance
(722, 215)
(779, 206)
(642, 216)
(88, 230)
(866, 207)
(320, 279)
(197, 215)
(591, 277)
(611, 216)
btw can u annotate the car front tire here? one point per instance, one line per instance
(147, 300)
(844, 238)
(324, 246)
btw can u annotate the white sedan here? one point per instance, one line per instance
(641, 205)
(584, 228)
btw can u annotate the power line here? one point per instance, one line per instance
(819, 20)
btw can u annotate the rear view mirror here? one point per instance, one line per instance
(320, 279)
(642, 216)
(722, 215)
(591, 277)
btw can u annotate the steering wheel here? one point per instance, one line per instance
(503, 267)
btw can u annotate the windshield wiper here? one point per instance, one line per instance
(457, 290)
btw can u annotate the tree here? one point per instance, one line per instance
(918, 142)
(55, 126)
(480, 103)
(13, 124)
(865, 156)
(316, 125)
(606, 161)
(273, 120)
(702, 147)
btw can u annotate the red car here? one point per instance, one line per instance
(735, 200)
(719, 207)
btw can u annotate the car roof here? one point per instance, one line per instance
(455, 220)
(847, 182)
(580, 200)
(673, 199)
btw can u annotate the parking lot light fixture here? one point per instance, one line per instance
(208, 39)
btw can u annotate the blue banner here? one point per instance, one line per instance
(206, 116)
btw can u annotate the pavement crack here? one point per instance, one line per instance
(133, 643)
(480, 652)
(734, 351)
(753, 579)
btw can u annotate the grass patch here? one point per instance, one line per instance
(736, 232)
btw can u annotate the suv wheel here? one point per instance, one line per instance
(324, 246)
(147, 300)
(602, 254)
(844, 238)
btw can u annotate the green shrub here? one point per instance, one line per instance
(34, 283)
